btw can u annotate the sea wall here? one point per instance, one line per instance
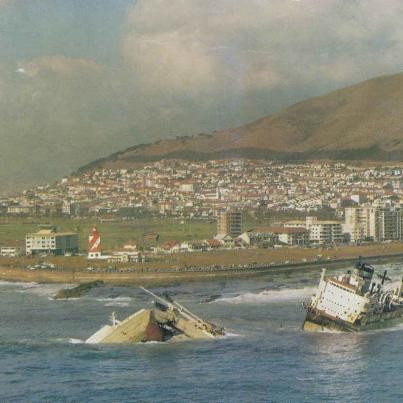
(166, 276)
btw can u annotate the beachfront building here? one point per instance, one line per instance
(294, 236)
(360, 223)
(388, 224)
(324, 232)
(128, 254)
(378, 223)
(12, 249)
(48, 240)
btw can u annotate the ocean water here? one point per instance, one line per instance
(265, 357)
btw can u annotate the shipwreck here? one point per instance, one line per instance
(167, 320)
(355, 301)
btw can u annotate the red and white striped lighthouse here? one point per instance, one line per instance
(94, 244)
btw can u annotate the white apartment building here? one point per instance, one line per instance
(360, 223)
(324, 232)
(49, 241)
(380, 223)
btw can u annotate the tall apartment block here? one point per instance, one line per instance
(230, 222)
(379, 223)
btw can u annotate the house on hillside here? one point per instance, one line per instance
(213, 244)
(226, 240)
(170, 246)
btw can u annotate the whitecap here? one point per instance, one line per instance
(269, 296)
(117, 303)
(231, 335)
(76, 341)
(46, 290)
(114, 299)
(22, 284)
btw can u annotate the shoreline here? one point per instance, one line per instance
(166, 277)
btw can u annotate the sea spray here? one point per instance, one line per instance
(269, 296)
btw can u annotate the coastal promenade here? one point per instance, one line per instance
(182, 274)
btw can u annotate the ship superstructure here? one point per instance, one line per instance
(354, 301)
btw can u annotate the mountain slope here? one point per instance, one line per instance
(364, 121)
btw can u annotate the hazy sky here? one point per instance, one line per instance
(80, 79)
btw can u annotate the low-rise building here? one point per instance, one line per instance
(49, 241)
(294, 236)
(20, 210)
(12, 249)
(226, 240)
(261, 237)
(324, 232)
(170, 246)
(128, 254)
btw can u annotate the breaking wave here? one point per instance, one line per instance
(17, 284)
(114, 299)
(231, 335)
(45, 290)
(117, 303)
(41, 290)
(76, 341)
(269, 296)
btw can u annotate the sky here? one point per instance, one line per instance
(80, 79)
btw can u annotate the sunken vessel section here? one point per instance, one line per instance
(358, 300)
(168, 320)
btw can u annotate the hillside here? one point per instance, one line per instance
(364, 121)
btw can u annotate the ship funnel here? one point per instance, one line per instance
(322, 277)
(384, 276)
(372, 288)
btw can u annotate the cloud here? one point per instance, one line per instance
(59, 65)
(205, 46)
(183, 67)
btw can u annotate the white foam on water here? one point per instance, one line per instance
(16, 284)
(396, 328)
(117, 303)
(269, 296)
(328, 331)
(76, 341)
(27, 286)
(114, 299)
(231, 335)
(46, 290)
(41, 290)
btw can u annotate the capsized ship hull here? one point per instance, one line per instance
(167, 320)
(320, 323)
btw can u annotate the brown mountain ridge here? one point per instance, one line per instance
(360, 122)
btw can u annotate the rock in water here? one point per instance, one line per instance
(78, 291)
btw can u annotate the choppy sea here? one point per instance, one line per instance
(264, 358)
